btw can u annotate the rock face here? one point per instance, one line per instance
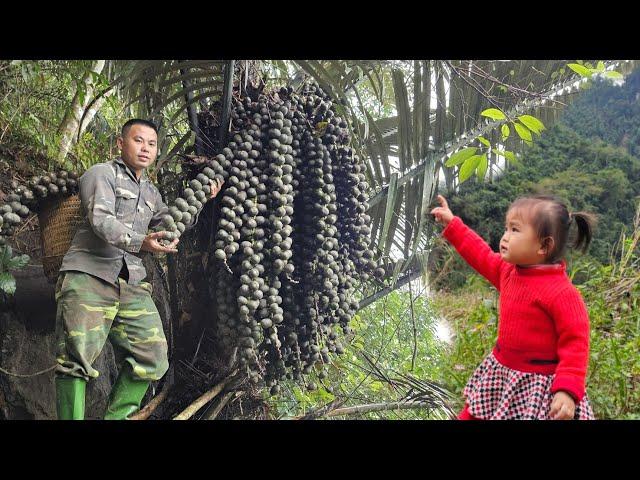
(27, 345)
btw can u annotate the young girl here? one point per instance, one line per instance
(538, 366)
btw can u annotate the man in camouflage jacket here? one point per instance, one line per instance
(100, 292)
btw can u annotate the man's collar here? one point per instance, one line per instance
(143, 177)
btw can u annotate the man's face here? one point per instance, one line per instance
(139, 147)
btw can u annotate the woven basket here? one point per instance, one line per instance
(58, 224)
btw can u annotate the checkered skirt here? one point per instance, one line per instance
(496, 392)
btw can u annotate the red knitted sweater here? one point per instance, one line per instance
(542, 315)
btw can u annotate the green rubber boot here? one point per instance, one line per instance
(70, 393)
(126, 395)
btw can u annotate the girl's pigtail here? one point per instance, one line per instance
(585, 223)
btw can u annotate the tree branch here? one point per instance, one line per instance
(376, 407)
(146, 412)
(225, 399)
(201, 401)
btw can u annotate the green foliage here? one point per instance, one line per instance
(493, 113)
(9, 262)
(473, 315)
(37, 95)
(609, 113)
(382, 332)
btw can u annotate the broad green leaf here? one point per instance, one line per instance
(613, 74)
(600, 66)
(532, 123)
(391, 199)
(523, 132)
(7, 283)
(579, 69)
(468, 167)
(18, 262)
(460, 156)
(396, 271)
(510, 156)
(500, 153)
(506, 131)
(493, 113)
(5, 255)
(484, 141)
(482, 166)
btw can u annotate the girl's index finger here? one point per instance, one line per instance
(443, 201)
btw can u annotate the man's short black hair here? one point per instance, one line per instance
(137, 121)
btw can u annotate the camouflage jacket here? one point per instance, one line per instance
(118, 210)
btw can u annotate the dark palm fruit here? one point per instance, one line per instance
(182, 204)
(203, 179)
(45, 180)
(175, 213)
(53, 189)
(195, 185)
(312, 180)
(11, 218)
(27, 195)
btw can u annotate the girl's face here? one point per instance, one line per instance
(520, 244)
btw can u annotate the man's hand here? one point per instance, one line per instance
(562, 407)
(151, 244)
(442, 213)
(215, 186)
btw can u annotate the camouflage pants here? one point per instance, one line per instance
(90, 310)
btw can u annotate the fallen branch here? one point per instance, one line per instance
(221, 405)
(188, 412)
(376, 407)
(152, 405)
(320, 412)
